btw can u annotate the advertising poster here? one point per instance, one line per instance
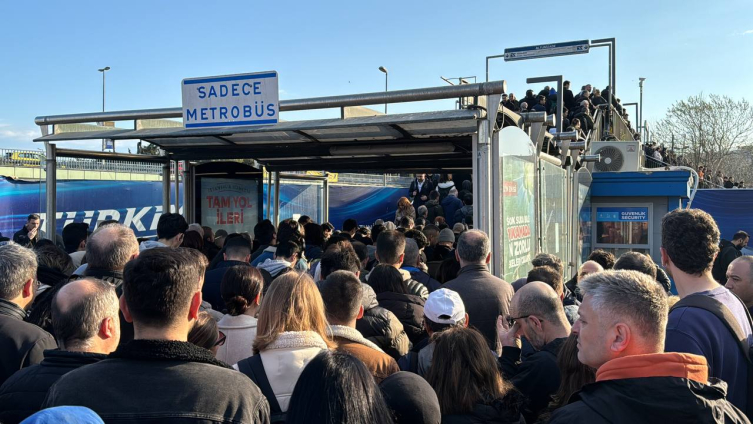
(229, 204)
(518, 223)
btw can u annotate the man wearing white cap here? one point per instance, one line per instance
(443, 309)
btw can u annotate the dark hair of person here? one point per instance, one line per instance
(740, 235)
(464, 371)
(53, 257)
(73, 234)
(340, 257)
(107, 222)
(634, 261)
(547, 259)
(603, 258)
(313, 234)
(237, 247)
(390, 245)
(305, 219)
(573, 374)
(208, 234)
(385, 278)
(41, 310)
(44, 243)
(418, 236)
(337, 388)
(240, 286)
(290, 230)
(328, 227)
(406, 221)
(420, 222)
(193, 240)
(361, 250)
(264, 232)
(341, 292)
(691, 240)
(548, 275)
(438, 328)
(434, 195)
(375, 230)
(350, 225)
(468, 199)
(204, 332)
(448, 270)
(31, 217)
(287, 249)
(158, 285)
(170, 225)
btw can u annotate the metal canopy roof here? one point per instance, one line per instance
(426, 140)
(334, 144)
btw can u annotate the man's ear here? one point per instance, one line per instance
(28, 289)
(467, 320)
(224, 256)
(488, 258)
(257, 300)
(360, 312)
(124, 310)
(193, 310)
(107, 328)
(457, 257)
(619, 337)
(401, 259)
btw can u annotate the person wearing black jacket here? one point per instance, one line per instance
(529, 99)
(29, 234)
(237, 252)
(85, 317)
(419, 190)
(160, 377)
(393, 295)
(536, 312)
(21, 343)
(635, 381)
(728, 252)
(568, 99)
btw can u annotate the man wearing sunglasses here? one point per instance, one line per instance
(536, 312)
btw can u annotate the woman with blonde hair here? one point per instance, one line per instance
(404, 208)
(291, 331)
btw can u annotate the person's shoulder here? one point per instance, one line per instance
(28, 331)
(576, 412)
(19, 379)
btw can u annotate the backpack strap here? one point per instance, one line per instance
(253, 367)
(723, 313)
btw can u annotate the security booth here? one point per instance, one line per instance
(626, 208)
(524, 198)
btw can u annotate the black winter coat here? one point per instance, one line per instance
(409, 309)
(23, 393)
(381, 327)
(162, 381)
(499, 411)
(21, 344)
(659, 400)
(727, 253)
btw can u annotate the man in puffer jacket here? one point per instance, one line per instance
(391, 251)
(381, 326)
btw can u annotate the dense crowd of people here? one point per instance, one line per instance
(396, 323)
(658, 156)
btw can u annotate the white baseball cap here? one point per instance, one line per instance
(444, 307)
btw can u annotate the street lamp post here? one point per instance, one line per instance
(386, 76)
(103, 70)
(640, 110)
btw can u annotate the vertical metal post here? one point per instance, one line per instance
(51, 190)
(177, 187)
(269, 195)
(189, 194)
(640, 110)
(277, 199)
(386, 78)
(498, 214)
(166, 187)
(325, 198)
(482, 183)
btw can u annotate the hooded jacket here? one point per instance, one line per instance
(654, 388)
(381, 326)
(464, 215)
(728, 252)
(450, 205)
(434, 210)
(24, 392)
(162, 381)
(150, 244)
(240, 333)
(21, 344)
(349, 340)
(409, 309)
(275, 266)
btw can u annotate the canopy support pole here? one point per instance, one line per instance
(51, 190)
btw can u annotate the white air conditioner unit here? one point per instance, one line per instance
(617, 156)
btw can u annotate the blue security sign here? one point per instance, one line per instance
(244, 99)
(621, 214)
(547, 50)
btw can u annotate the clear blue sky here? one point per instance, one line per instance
(50, 51)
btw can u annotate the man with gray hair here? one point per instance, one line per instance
(537, 314)
(621, 329)
(85, 319)
(21, 343)
(485, 295)
(108, 251)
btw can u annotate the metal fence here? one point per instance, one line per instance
(36, 159)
